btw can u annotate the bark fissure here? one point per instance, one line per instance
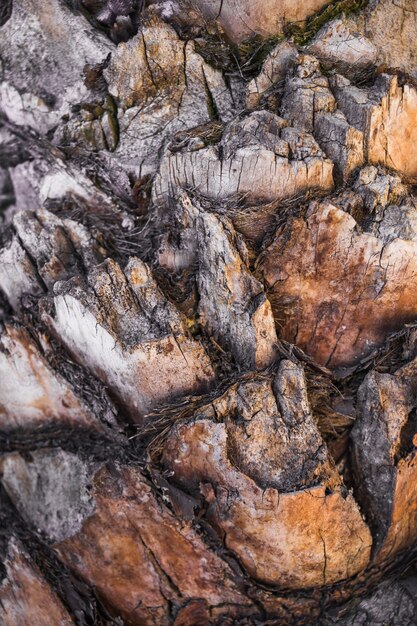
(208, 344)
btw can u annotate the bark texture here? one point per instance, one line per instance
(208, 322)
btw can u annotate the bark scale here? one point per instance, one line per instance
(208, 344)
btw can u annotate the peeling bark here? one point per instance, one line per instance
(232, 306)
(257, 459)
(35, 394)
(259, 158)
(384, 456)
(208, 237)
(115, 536)
(125, 314)
(241, 20)
(24, 593)
(338, 291)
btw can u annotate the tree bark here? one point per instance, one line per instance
(208, 323)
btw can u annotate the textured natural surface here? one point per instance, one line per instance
(24, 593)
(208, 321)
(269, 483)
(241, 19)
(339, 290)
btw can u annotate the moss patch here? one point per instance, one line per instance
(302, 35)
(246, 59)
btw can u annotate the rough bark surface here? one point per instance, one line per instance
(208, 322)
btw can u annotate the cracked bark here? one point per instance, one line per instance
(208, 337)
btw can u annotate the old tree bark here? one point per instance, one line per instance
(208, 312)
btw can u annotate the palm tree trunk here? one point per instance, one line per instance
(208, 322)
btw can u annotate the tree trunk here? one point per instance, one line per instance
(208, 333)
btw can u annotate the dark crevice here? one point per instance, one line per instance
(118, 19)
(407, 436)
(6, 8)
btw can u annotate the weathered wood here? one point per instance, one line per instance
(232, 306)
(242, 20)
(110, 529)
(384, 457)
(32, 393)
(154, 360)
(338, 291)
(259, 158)
(208, 255)
(257, 459)
(25, 595)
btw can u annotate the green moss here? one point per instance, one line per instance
(302, 35)
(247, 58)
